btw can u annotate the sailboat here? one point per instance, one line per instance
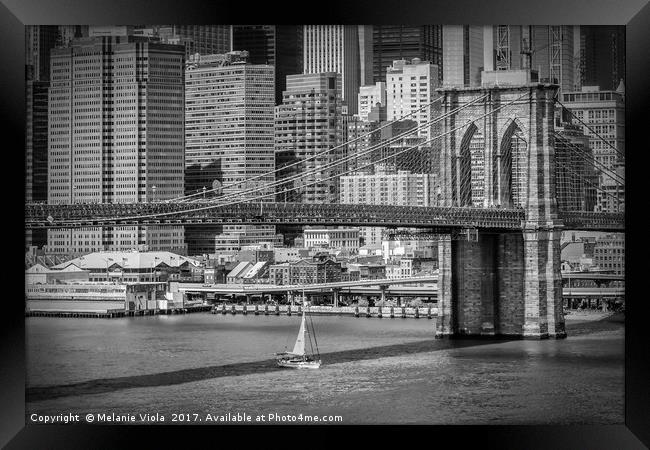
(298, 358)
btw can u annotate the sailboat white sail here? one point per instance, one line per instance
(298, 358)
(299, 347)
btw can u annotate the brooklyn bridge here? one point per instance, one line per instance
(508, 184)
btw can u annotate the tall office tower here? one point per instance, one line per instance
(369, 97)
(115, 135)
(410, 86)
(229, 136)
(39, 40)
(276, 45)
(334, 48)
(307, 123)
(395, 42)
(602, 52)
(462, 55)
(547, 49)
(603, 112)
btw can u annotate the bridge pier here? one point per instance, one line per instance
(503, 284)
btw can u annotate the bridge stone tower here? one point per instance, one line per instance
(499, 153)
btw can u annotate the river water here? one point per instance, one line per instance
(375, 371)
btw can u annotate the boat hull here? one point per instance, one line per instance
(299, 364)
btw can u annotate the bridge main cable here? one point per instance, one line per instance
(341, 161)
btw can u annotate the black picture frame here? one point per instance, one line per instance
(14, 14)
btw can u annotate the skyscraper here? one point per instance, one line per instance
(462, 55)
(395, 42)
(308, 122)
(276, 45)
(335, 48)
(115, 135)
(229, 117)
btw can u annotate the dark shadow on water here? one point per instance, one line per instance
(98, 386)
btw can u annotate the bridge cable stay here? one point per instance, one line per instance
(341, 161)
(598, 188)
(389, 123)
(320, 169)
(590, 158)
(208, 207)
(598, 135)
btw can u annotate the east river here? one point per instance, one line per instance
(375, 371)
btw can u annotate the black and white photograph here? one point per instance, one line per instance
(335, 224)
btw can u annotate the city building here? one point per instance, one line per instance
(462, 55)
(609, 253)
(115, 102)
(387, 186)
(135, 266)
(368, 271)
(601, 114)
(307, 123)
(234, 237)
(39, 274)
(369, 97)
(602, 56)
(344, 238)
(361, 136)
(229, 140)
(410, 87)
(305, 272)
(397, 42)
(279, 46)
(334, 48)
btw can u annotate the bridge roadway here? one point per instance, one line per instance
(433, 218)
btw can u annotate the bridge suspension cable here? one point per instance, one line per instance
(587, 157)
(319, 154)
(341, 161)
(216, 206)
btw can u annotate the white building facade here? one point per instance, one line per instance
(410, 87)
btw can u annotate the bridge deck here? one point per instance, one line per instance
(433, 218)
